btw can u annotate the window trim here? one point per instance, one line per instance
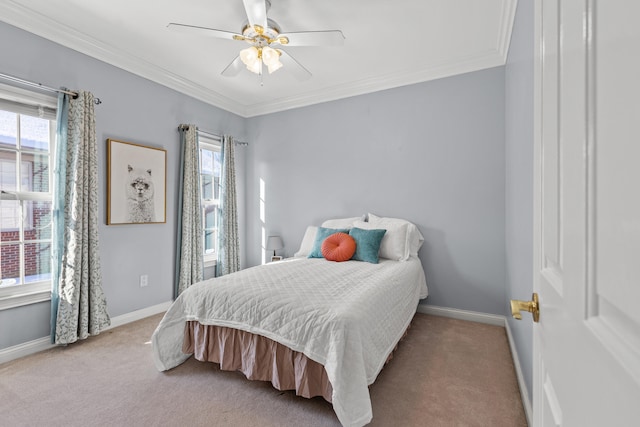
(26, 102)
(36, 292)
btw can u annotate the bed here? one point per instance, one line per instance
(345, 317)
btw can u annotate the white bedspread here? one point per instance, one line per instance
(348, 316)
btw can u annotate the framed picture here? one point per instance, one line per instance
(276, 258)
(136, 183)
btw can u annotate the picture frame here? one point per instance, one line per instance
(276, 258)
(136, 183)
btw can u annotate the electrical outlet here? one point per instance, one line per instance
(144, 280)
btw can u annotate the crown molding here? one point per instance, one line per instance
(376, 84)
(36, 23)
(43, 26)
(506, 27)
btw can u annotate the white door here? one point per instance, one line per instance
(587, 213)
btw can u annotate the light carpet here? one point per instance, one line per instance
(445, 372)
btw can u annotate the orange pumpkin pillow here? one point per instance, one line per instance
(338, 247)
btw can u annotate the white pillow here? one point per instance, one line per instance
(393, 244)
(307, 242)
(413, 239)
(341, 222)
(416, 239)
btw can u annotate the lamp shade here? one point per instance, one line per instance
(271, 57)
(274, 243)
(249, 56)
(274, 67)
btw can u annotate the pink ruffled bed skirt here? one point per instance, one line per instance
(258, 358)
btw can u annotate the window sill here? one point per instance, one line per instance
(27, 298)
(210, 263)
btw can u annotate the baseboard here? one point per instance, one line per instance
(139, 314)
(524, 391)
(491, 319)
(25, 349)
(454, 313)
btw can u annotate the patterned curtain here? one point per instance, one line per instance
(228, 241)
(78, 304)
(189, 257)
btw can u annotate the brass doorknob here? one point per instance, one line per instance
(532, 307)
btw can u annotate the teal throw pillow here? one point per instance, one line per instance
(322, 234)
(367, 244)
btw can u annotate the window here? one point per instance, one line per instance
(210, 170)
(27, 136)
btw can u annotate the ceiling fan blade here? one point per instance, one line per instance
(256, 12)
(294, 67)
(234, 68)
(315, 38)
(210, 32)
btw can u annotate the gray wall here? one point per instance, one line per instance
(432, 153)
(519, 179)
(134, 110)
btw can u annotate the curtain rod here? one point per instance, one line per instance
(212, 135)
(43, 87)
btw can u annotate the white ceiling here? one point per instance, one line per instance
(387, 43)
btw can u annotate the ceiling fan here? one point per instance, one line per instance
(265, 39)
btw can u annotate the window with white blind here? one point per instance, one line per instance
(27, 138)
(210, 172)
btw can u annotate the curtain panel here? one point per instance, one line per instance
(229, 242)
(78, 303)
(189, 256)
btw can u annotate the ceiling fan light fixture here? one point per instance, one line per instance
(263, 34)
(274, 67)
(252, 58)
(255, 67)
(271, 57)
(249, 56)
